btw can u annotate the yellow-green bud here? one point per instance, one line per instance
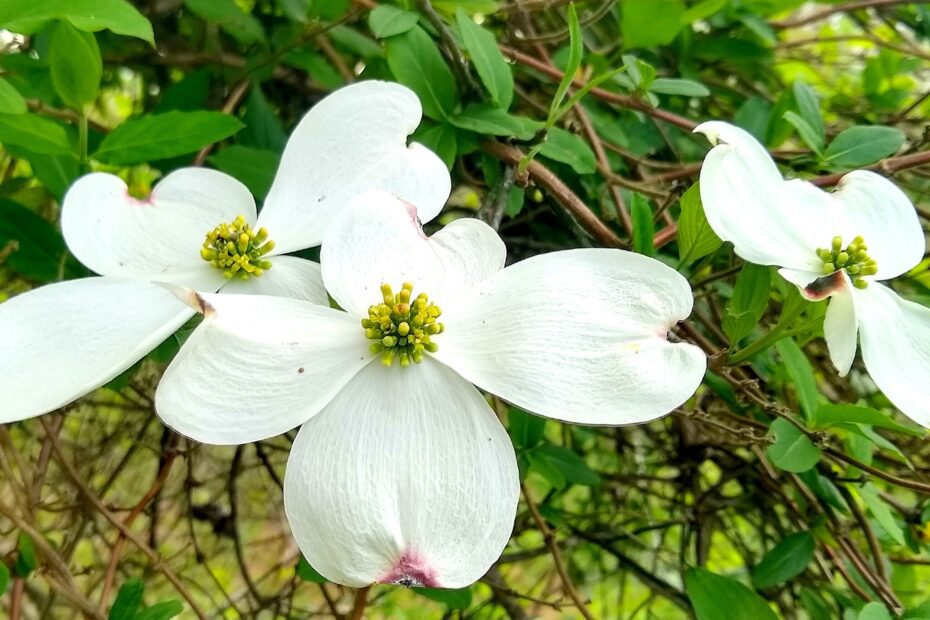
(402, 330)
(236, 250)
(854, 259)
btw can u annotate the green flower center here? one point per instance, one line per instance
(853, 259)
(402, 329)
(237, 250)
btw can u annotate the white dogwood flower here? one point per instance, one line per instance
(199, 229)
(840, 245)
(401, 472)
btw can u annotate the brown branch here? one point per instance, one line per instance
(169, 457)
(624, 101)
(153, 555)
(361, 601)
(833, 10)
(561, 192)
(549, 538)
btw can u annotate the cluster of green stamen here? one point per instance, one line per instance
(237, 250)
(854, 259)
(402, 329)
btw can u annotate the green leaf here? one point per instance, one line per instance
(161, 611)
(748, 303)
(440, 138)
(569, 464)
(678, 86)
(874, 611)
(716, 597)
(703, 10)
(809, 110)
(386, 21)
(11, 102)
(828, 415)
(262, 127)
(316, 66)
(453, 599)
(569, 148)
(416, 62)
(545, 468)
(26, 560)
(485, 119)
(792, 450)
(861, 146)
(786, 560)
(232, 20)
(4, 577)
(254, 167)
(515, 200)
(39, 246)
(801, 374)
(881, 512)
(34, 133)
(526, 430)
(160, 136)
(55, 172)
(75, 64)
(308, 573)
(807, 133)
(485, 7)
(188, 94)
(696, 239)
(575, 55)
(824, 488)
(488, 60)
(128, 600)
(88, 15)
(920, 612)
(650, 24)
(355, 42)
(643, 225)
(329, 9)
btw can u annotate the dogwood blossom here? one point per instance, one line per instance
(401, 472)
(840, 245)
(199, 228)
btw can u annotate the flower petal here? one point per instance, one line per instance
(378, 240)
(115, 234)
(895, 339)
(406, 477)
(61, 341)
(258, 366)
(352, 141)
(578, 335)
(769, 221)
(874, 207)
(289, 276)
(841, 327)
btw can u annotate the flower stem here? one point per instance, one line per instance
(361, 601)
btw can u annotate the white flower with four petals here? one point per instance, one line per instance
(402, 472)
(840, 245)
(61, 341)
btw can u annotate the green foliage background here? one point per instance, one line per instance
(779, 490)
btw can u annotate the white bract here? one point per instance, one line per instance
(837, 244)
(401, 472)
(63, 340)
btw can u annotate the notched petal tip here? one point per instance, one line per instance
(411, 571)
(191, 297)
(709, 130)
